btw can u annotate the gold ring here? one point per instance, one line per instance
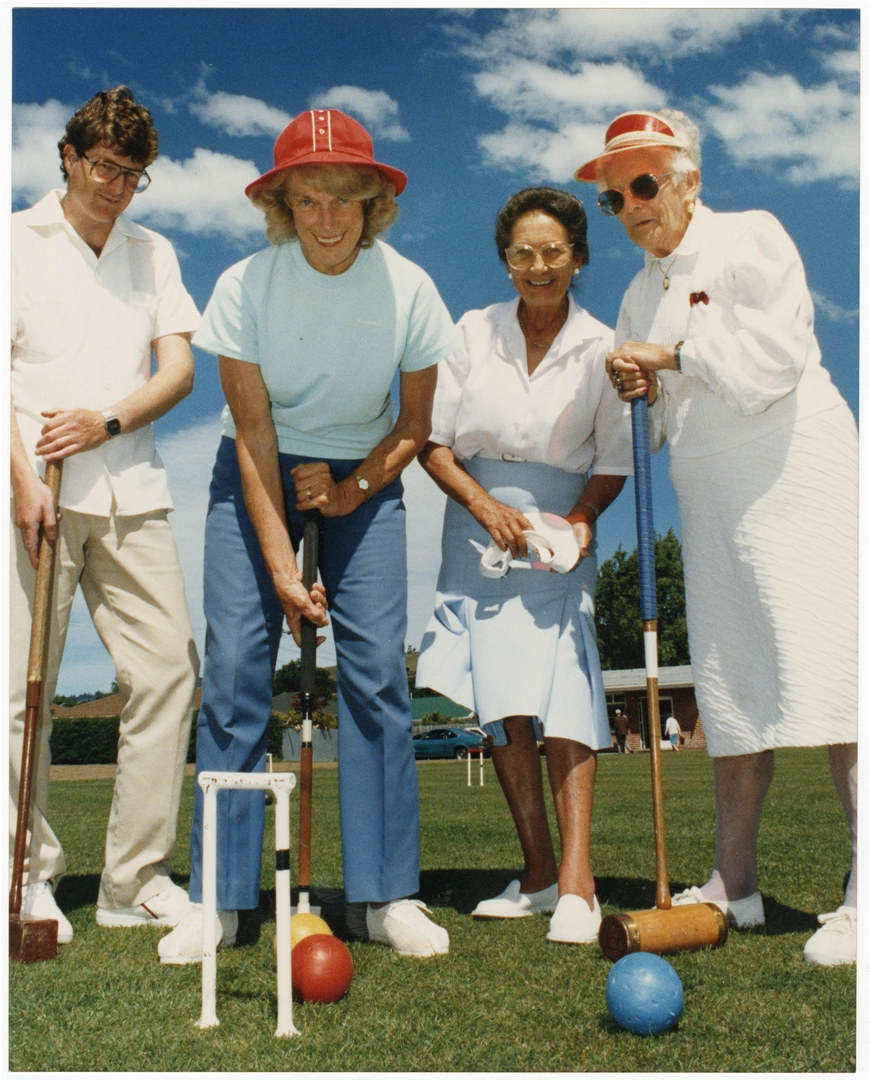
(308, 494)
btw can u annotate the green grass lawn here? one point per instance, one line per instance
(505, 999)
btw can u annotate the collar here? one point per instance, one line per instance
(48, 212)
(578, 327)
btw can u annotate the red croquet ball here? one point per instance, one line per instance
(322, 969)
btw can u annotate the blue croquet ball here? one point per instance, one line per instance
(644, 994)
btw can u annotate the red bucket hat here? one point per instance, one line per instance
(326, 137)
(629, 132)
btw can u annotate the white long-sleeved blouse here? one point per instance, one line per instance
(738, 299)
(565, 414)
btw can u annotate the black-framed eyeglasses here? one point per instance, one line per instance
(645, 188)
(555, 255)
(106, 171)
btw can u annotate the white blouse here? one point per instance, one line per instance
(738, 299)
(565, 414)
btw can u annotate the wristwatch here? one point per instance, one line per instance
(113, 425)
(363, 485)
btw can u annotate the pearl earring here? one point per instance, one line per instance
(509, 275)
(692, 206)
(576, 271)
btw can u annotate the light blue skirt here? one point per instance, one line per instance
(524, 644)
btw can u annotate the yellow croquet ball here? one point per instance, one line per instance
(302, 926)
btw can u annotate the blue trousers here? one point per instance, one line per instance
(363, 565)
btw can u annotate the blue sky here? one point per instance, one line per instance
(472, 105)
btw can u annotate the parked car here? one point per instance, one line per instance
(448, 743)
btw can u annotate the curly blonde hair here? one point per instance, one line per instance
(361, 183)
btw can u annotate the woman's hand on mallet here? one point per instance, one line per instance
(631, 368)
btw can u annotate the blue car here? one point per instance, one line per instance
(449, 743)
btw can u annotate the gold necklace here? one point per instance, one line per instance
(666, 275)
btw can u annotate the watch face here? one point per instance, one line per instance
(363, 484)
(113, 426)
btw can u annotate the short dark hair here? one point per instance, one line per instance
(558, 204)
(112, 117)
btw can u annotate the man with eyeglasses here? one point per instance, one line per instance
(93, 295)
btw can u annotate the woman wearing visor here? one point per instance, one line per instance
(717, 329)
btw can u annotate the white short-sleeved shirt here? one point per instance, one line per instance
(328, 345)
(565, 414)
(82, 332)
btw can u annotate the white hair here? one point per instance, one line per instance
(687, 158)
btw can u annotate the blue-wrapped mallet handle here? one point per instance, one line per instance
(645, 523)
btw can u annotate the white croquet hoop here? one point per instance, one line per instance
(281, 784)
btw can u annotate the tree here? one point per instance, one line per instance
(288, 679)
(617, 605)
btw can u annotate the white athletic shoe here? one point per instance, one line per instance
(742, 914)
(574, 922)
(513, 904)
(166, 908)
(184, 945)
(404, 926)
(38, 903)
(836, 941)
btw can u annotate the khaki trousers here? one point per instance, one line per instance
(131, 579)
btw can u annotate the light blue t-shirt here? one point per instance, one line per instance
(328, 346)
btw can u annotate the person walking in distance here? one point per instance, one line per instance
(622, 727)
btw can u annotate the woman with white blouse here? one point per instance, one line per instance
(525, 422)
(717, 329)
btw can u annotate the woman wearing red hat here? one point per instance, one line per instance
(717, 330)
(309, 335)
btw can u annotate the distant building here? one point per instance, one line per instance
(626, 690)
(109, 705)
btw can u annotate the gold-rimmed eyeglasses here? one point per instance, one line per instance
(522, 256)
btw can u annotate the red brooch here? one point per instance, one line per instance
(698, 298)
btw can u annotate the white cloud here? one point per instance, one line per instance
(557, 117)
(844, 62)
(559, 75)
(772, 119)
(373, 108)
(237, 114)
(204, 195)
(834, 311)
(564, 34)
(36, 130)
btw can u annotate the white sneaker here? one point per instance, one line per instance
(405, 928)
(166, 908)
(574, 922)
(742, 914)
(38, 903)
(513, 904)
(836, 941)
(184, 945)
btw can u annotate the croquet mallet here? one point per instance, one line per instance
(33, 939)
(307, 685)
(663, 929)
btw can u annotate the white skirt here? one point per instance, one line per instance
(524, 644)
(769, 540)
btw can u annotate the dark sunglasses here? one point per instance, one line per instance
(644, 187)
